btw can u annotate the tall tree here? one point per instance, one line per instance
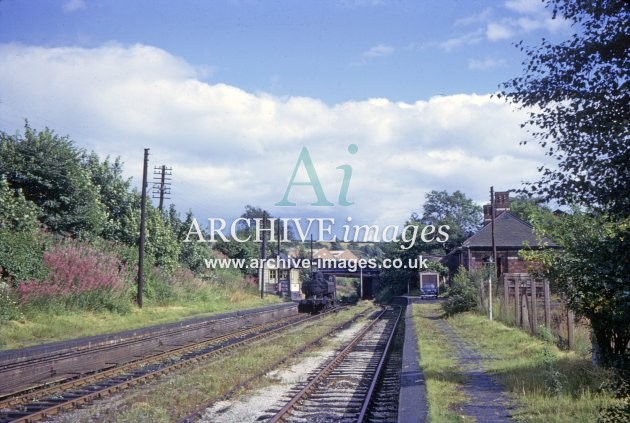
(529, 209)
(577, 94)
(192, 254)
(116, 196)
(456, 210)
(591, 271)
(253, 212)
(48, 170)
(21, 249)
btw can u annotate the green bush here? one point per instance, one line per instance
(21, 255)
(157, 287)
(462, 295)
(9, 305)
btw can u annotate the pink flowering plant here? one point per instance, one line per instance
(80, 276)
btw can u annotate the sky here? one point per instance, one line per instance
(229, 93)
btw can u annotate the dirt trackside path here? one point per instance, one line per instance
(462, 389)
(488, 401)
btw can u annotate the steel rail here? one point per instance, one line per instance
(379, 369)
(108, 390)
(325, 371)
(42, 367)
(197, 414)
(93, 377)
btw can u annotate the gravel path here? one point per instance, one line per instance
(488, 401)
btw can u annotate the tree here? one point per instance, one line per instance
(115, 195)
(192, 254)
(252, 212)
(530, 208)
(577, 95)
(371, 250)
(161, 242)
(21, 248)
(456, 210)
(16, 212)
(591, 271)
(48, 170)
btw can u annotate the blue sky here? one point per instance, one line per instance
(332, 50)
(228, 92)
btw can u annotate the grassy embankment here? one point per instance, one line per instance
(228, 291)
(174, 397)
(546, 383)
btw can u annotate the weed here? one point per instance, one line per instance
(554, 380)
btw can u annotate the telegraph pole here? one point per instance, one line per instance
(311, 266)
(263, 256)
(493, 259)
(143, 202)
(278, 232)
(161, 182)
(492, 206)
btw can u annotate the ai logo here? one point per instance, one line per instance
(305, 160)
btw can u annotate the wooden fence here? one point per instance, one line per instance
(526, 293)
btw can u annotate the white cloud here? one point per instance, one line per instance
(499, 31)
(74, 5)
(469, 38)
(516, 18)
(525, 6)
(475, 18)
(229, 147)
(379, 50)
(485, 64)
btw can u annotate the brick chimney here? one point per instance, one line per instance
(487, 216)
(501, 204)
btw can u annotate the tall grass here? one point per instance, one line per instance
(443, 376)
(548, 384)
(38, 316)
(79, 276)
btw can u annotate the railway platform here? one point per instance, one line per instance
(412, 402)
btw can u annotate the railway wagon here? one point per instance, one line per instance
(320, 293)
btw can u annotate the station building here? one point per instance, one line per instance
(511, 235)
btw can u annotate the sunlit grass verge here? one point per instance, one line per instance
(227, 291)
(442, 374)
(546, 383)
(176, 396)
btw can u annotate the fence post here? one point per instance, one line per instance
(525, 309)
(506, 299)
(517, 301)
(534, 316)
(483, 293)
(547, 297)
(570, 327)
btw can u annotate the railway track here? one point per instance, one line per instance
(50, 400)
(34, 367)
(198, 414)
(347, 388)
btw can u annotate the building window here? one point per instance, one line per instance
(272, 274)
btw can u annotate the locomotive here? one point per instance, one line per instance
(320, 293)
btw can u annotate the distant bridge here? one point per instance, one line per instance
(368, 277)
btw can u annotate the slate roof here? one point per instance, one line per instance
(509, 231)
